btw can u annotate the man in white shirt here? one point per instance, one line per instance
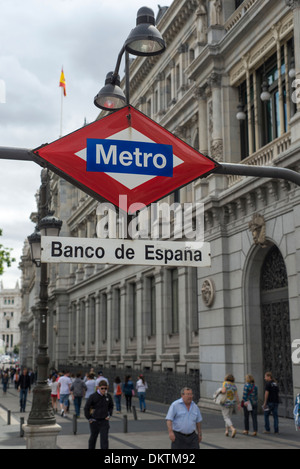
(183, 418)
(101, 378)
(64, 384)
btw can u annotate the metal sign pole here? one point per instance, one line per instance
(23, 154)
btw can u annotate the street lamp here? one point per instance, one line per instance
(50, 226)
(42, 414)
(35, 246)
(144, 40)
(111, 95)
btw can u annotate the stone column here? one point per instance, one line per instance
(215, 81)
(202, 120)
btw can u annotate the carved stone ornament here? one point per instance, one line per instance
(201, 15)
(258, 228)
(208, 292)
(293, 4)
(215, 12)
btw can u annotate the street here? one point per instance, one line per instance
(147, 432)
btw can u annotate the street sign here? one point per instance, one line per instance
(125, 252)
(125, 154)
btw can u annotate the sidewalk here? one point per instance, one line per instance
(147, 432)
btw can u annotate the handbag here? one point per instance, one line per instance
(219, 397)
(248, 406)
(248, 403)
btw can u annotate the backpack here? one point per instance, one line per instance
(297, 413)
(118, 390)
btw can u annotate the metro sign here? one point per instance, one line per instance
(125, 154)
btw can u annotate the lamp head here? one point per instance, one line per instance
(145, 39)
(35, 246)
(111, 96)
(50, 226)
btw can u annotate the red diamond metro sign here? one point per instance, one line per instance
(125, 154)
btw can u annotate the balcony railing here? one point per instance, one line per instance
(265, 156)
(238, 14)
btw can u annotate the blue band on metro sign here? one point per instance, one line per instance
(120, 156)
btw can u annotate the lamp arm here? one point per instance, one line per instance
(116, 72)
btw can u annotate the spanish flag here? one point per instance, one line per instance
(62, 82)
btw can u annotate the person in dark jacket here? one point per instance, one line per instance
(98, 410)
(24, 385)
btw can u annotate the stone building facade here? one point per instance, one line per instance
(10, 313)
(242, 314)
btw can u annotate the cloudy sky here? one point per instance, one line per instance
(37, 38)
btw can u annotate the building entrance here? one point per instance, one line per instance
(275, 321)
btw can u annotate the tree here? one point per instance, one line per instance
(5, 257)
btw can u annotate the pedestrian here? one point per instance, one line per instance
(141, 387)
(54, 391)
(78, 390)
(271, 403)
(183, 419)
(118, 394)
(64, 385)
(101, 378)
(128, 391)
(229, 388)
(16, 379)
(24, 386)
(250, 404)
(98, 410)
(5, 380)
(90, 385)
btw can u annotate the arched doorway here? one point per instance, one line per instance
(275, 324)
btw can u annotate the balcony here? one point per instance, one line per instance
(265, 156)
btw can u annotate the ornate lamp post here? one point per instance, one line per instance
(41, 429)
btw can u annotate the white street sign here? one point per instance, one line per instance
(125, 252)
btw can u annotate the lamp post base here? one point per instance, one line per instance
(41, 436)
(41, 412)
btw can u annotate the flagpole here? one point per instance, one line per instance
(61, 112)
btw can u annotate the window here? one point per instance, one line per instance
(82, 323)
(92, 320)
(73, 325)
(149, 108)
(132, 310)
(117, 314)
(152, 306)
(272, 109)
(174, 302)
(168, 90)
(177, 74)
(103, 319)
(266, 120)
(238, 3)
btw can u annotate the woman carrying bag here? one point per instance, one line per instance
(232, 398)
